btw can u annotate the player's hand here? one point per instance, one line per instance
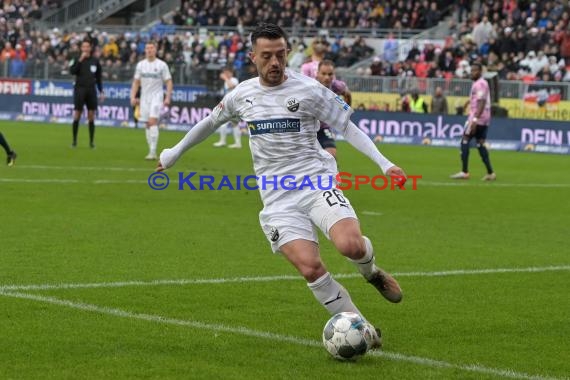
(83, 57)
(166, 102)
(102, 97)
(166, 159)
(398, 174)
(133, 102)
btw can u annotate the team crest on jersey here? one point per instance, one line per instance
(274, 234)
(93, 68)
(292, 104)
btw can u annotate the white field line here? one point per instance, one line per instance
(119, 284)
(508, 373)
(371, 213)
(486, 184)
(101, 168)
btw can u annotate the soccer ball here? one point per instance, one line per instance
(346, 336)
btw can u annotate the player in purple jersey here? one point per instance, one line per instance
(325, 75)
(477, 124)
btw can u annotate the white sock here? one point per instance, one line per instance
(147, 133)
(332, 295)
(237, 134)
(366, 264)
(153, 133)
(223, 133)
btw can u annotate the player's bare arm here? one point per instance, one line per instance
(134, 89)
(168, 97)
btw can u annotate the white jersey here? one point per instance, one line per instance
(152, 74)
(283, 122)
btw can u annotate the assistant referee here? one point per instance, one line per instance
(87, 71)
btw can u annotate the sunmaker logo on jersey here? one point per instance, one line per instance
(259, 127)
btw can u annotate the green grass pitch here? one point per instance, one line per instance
(103, 278)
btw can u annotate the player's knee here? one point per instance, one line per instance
(351, 246)
(313, 271)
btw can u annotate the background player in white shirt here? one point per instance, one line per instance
(230, 82)
(150, 75)
(282, 110)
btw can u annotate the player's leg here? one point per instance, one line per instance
(237, 136)
(152, 138)
(223, 134)
(290, 232)
(465, 140)
(152, 127)
(332, 213)
(10, 154)
(304, 256)
(144, 114)
(327, 141)
(91, 102)
(481, 136)
(78, 104)
(347, 238)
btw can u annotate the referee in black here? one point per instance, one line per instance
(87, 71)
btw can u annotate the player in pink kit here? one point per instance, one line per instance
(320, 47)
(325, 75)
(477, 124)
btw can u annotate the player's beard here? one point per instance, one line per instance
(274, 76)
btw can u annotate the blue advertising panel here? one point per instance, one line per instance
(52, 101)
(446, 130)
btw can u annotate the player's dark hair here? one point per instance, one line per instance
(480, 66)
(88, 40)
(325, 62)
(269, 31)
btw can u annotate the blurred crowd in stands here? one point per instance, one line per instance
(521, 40)
(387, 14)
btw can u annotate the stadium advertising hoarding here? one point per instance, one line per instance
(51, 101)
(446, 130)
(536, 104)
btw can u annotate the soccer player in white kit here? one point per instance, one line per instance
(282, 110)
(150, 75)
(230, 82)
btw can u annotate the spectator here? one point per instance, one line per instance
(297, 57)
(439, 102)
(417, 104)
(433, 16)
(7, 53)
(483, 31)
(391, 49)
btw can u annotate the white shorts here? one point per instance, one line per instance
(150, 108)
(299, 215)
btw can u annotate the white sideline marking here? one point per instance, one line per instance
(38, 180)
(103, 168)
(487, 184)
(270, 336)
(119, 284)
(371, 213)
(53, 180)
